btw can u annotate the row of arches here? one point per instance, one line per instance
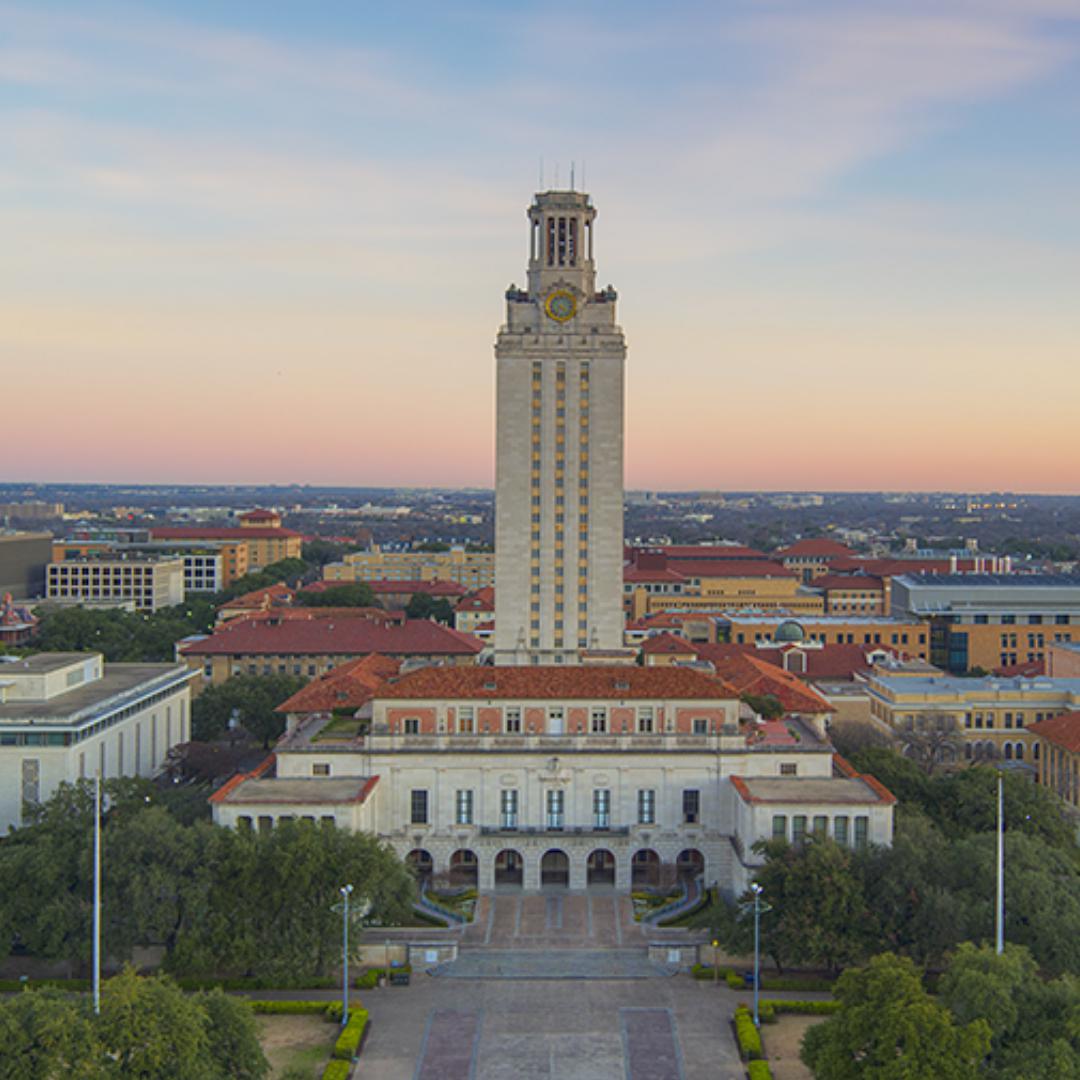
(646, 867)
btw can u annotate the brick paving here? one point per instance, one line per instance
(552, 1030)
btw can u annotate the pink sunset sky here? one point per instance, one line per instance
(273, 249)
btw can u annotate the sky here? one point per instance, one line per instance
(268, 242)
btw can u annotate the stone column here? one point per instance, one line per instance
(485, 871)
(579, 875)
(530, 880)
(622, 870)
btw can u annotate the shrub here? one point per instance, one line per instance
(348, 1043)
(337, 1070)
(796, 982)
(705, 971)
(12, 986)
(370, 978)
(747, 1035)
(759, 1070)
(282, 1008)
(734, 980)
(804, 1008)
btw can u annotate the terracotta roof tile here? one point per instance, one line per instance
(341, 636)
(820, 548)
(1063, 731)
(620, 682)
(481, 600)
(229, 532)
(346, 687)
(751, 675)
(667, 645)
(735, 568)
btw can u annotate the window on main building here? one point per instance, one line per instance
(508, 808)
(463, 808)
(418, 807)
(691, 806)
(646, 806)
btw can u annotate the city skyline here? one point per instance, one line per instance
(274, 249)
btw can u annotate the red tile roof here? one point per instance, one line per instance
(260, 515)
(815, 548)
(300, 613)
(338, 636)
(752, 675)
(634, 573)
(235, 532)
(735, 568)
(235, 781)
(620, 682)
(481, 600)
(346, 687)
(827, 661)
(1030, 669)
(667, 645)
(849, 581)
(279, 593)
(1063, 731)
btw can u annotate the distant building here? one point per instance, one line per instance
(70, 716)
(812, 558)
(469, 569)
(990, 620)
(273, 597)
(18, 623)
(654, 581)
(144, 582)
(475, 612)
(23, 558)
(1063, 659)
(314, 641)
(994, 715)
(572, 776)
(265, 545)
(851, 594)
(906, 636)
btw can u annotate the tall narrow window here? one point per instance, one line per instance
(418, 807)
(551, 241)
(646, 806)
(562, 241)
(463, 808)
(513, 719)
(572, 243)
(556, 805)
(599, 720)
(466, 718)
(779, 826)
(645, 719)
(508, 808)
(862, 831)
(840, 829)
(601, 802)
(691, 806)
(798, 828)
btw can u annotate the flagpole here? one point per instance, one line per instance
(1000, 911)
(97, 893)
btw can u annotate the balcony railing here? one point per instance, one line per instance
(545, 830)
(494, 742)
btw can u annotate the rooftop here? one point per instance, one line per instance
(622, 682)
(853, 791)
(955, 684)
(302, 791)
(338, 636)
(120, 684)
(984, 581)
(42, 663)
(1063, 731)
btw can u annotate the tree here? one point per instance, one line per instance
(889, 1028)
(47, 1035)
(899, 774)
(250, 700)
(933, 741)
(151, 1029)
(818, 913)
(765, 705)
(320, 552)
(1034, 1024)
(422, 605)
(347, 594)
(235, 1050)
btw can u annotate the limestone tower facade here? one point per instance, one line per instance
(559, 359)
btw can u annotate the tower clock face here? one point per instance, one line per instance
(561, 306)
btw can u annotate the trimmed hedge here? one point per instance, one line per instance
(759, 1070)
(797, 982)
(747, 1036)
(11, 986)
(295, 1008)
(804, 1008)
(348, 1043)
(337, 1070)
(315, 982)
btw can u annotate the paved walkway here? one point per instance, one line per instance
(646, 1029)
(551, 964)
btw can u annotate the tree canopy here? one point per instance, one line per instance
(148, 1029)
(889, 1028)
(218, 900)
(347, 594)
(251, 699)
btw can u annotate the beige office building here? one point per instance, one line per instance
(559, 448)
(145, 583)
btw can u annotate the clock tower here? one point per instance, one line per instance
(559, 448)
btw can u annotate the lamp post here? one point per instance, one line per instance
(756, 889)
(715, 965)
(97, 894)
(346, 892)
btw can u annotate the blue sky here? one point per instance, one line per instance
(850, 228)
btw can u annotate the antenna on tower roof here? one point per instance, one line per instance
(571, 176)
